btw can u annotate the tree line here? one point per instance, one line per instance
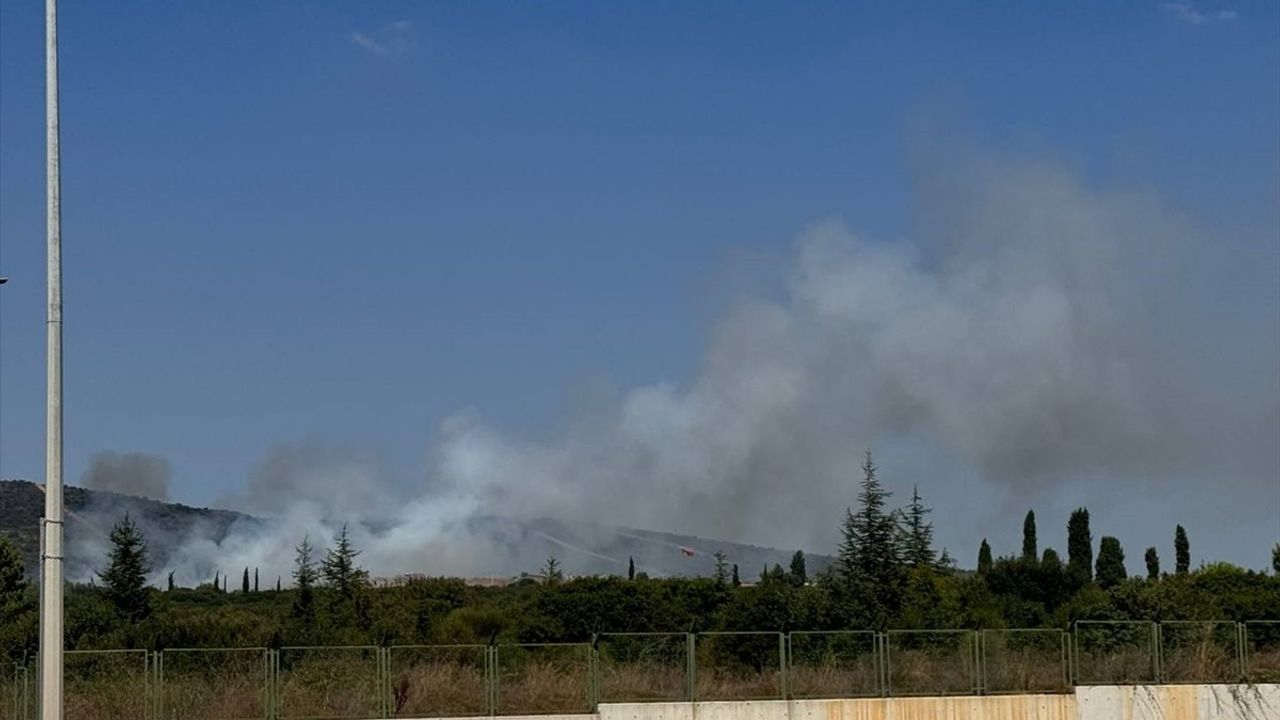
(887, 574)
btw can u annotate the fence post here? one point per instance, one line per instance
(691, 666)
(491, 677)
(782, 664)
(980, 661)
(1157, 637)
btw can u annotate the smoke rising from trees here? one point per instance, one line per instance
(1037, 332)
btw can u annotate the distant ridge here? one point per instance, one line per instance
(586, 548)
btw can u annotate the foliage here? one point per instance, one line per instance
(1111, 570)
(551, 572)
(125, 577)
(1080, 546)
(721, 574)
(984, 558)
(1152, 559)
(869, 553)
(799, 573)
(916, 544)
(1029, 549)
(1182, 551)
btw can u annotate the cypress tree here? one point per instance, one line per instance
(737, 581)
(224, 584)
(984, 558)
(217, 585)
(1275, 559)
(631, 568)
(255, 580)
(244, 583)
(170, 584)
(1029, 549)
(1080, 546)
(125, 577)
(799, 573)
(1111, 570)
(1153, 564)
(277, 583)
(1182, 551)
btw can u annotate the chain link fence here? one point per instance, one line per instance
(440, 681)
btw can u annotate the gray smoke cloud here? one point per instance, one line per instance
(1039, 342)
(131, 473)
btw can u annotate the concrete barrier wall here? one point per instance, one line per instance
(990, 707)
(1141, 702)
(1179, 702)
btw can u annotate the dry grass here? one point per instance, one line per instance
(433, 687)
(1263, 651)
(328, 683)
(214, 685)
(540, 686)
(934, 671)
(833, 679)
(632, 682)
(1121, 666)
(1200, 652)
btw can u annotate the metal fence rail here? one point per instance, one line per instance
(361, 682)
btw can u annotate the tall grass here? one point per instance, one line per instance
(1024, 661)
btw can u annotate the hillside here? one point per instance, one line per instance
(584, 548)
(90, 514)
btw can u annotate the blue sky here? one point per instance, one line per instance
(351, 220)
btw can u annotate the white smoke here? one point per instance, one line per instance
(1038, 332)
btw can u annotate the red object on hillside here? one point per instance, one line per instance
(687, 552)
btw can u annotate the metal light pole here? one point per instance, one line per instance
(51, 527)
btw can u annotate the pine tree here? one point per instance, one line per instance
(339, 569)
(721, 575)
(737, 582)
(551, 573)
(1153, 564)
(170, 584)
(917, 534)
(125, 578)
(799, 573)
(984, 558)
(869, 548)
(244, 583)
(1029, 550)
(945, 563)
(1080, 546)
(631, 568)
(1182, 551)
(304, 577)
(1111, 570)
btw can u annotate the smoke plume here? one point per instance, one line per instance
(1039, 337)
(131, 473)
